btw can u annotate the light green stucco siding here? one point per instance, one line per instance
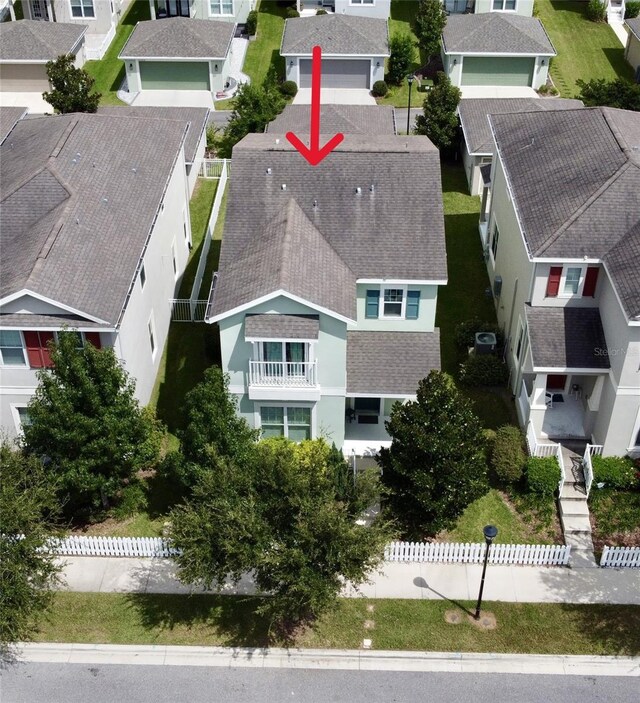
(498, 70)
(174, 75)
(523, 7)
(424, 323)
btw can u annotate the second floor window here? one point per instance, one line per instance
(494, 242)
(504, 5)
(572, 281)
(396, 303)
(363, 2)
(82, 8)
(393, 299)
(11, 349)
(221, 7)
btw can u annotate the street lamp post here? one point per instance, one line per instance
(410, 79)
(490, 533)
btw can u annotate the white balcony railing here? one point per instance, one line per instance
(285, 374)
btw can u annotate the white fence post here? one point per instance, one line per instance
(618, 557)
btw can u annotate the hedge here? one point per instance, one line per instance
(543, 475)
(508, 457)
(614, 471)
(483, 370)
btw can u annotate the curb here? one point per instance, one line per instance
(346, 659)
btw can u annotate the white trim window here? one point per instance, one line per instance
(572, 281)
(143, 276)
(393, 302)
(363, 2)
(293, 422)
(82, 8)
(21, 417)
(12, 348)
(174, 259)
(504, 5)
(495, 236)
(151, 328)
(221, 8)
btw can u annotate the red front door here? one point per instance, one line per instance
(556, 381)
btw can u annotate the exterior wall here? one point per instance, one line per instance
(426, 314)
(632, 52)
(541, 72)
(194, 168)
(453, 64)
(200, 9)
(29, 77)
(539, 292)
(380, 8)
(100, 24)
(523, 7)
(292, 67)
(472, 166)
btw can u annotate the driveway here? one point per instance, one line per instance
(336, 96)
(173, 98)
(32, 101)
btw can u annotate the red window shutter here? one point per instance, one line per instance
(553, 284)
(590, 281)
(94, 338)
(34, 351)
(45, 338)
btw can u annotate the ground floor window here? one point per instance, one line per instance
(283, 421)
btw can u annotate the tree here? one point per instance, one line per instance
(71, 87)
(276, 515)
(440, 121)
(403, 52)
(618, 93)
(436, 464)
(88, 426)
(27, 574)
(431, 19)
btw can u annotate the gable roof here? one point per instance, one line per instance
(393, 228)
(273, 326)
(80, 194)
(634, 26)
(347, 119)
(179, 37)
(336, 34)
(584, 200)
(9, 117)
(196, 117)
(496, 33)
(474, 116)
(39, 42)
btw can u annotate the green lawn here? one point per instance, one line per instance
(398, 624)
(109, 71)
(214, 250)
(265, 50)
(615, 516)
(585, 49)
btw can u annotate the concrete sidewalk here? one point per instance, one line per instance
(516, 584)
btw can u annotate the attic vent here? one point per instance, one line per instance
(134, 169)
(358, 190)
(105, 200)
(268, 172)
(283, 186)
(277, 141)
(315, 204)
(371, 188)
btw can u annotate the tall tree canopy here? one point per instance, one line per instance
(619, 93)
(439, 120)
(431, 19)
(71, 87)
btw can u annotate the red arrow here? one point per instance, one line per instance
(315, 154)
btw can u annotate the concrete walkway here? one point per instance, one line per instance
(516, 584)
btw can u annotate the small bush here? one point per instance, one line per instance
(321, 12)
(292, 12)
(543, 475)
(483, 370)
(614, 471)
(252, 23)
(179, 473)
(133, 499)
(596, 11)
(465, 334)
(544, 89)
(289, 88)
(632, 9)
(380, 89)
(508, 458)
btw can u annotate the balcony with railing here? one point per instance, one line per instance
(283, 374)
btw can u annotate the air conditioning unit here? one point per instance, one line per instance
(497, 286)
(485, 343)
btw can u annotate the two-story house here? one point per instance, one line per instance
(470, 7)
(95, 235)
(362, 8)
(235, 11)
(563, 252)
(327, 287)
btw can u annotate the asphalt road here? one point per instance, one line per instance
(80, 683)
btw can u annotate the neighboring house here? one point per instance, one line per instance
(101, 18)
(346, 119)
(25, 48)
(518, 7)
(235, 11)
(95, 235)
(632, 51)
(178, 54)
(361, 8)
(497, 50)
(353, 50)
(477, 144)
(9, 117)
(196, 140)
(327, 286)
(563, 253)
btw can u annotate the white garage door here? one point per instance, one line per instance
(338, 73)
(24, 77)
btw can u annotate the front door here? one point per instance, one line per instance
(556, 382)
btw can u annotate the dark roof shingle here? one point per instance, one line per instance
(346, 119)
(31, 40)
(336, 35)
(9, 117)
(281, 326)
(634, 26)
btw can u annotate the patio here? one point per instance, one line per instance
(564, 419)
(365, 439)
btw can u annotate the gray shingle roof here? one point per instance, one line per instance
(336, 34)
(281, 326)
(30, 40)
(390, 362)
(28, 321)
(393, 228)
(8, 117)
(196, 117)
(474, 116)
(634, 26)
(179, 37)
(585, 197)
(347, 119)
(567, 337)
(79, 196)
(495, 33)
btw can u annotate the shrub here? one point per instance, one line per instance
(543, 475)
(465, 334)
(544, 89)
(403, 51)
(614, 471)
(483, 370)
(632, 9)
(133, 499)
(321, 12)
(289, 88)
(596, 11)
(508, 458)
(292, 12)
(380, 89)
(252, 23)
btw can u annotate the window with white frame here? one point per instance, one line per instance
(393, 302)
(12, 348)
(220, 7)
(504, 5)
(174, 259)
(520, 342)
(152, 335)
(23, 417)
(494, 242)
(82, 8)
(143, 276)
(286, 421)
(571, 281)
(363, 2)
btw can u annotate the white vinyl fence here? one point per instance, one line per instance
(621, 557)
(188, 310)
(468, 553)
(90, 546)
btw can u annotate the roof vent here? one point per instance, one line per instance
(134, 169)
(358, 190)
(105, 200)
(283, 186)
(372, 188)
(315, 204)
(277, 141)
(268, 172)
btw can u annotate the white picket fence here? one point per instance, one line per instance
(96, 546)
(469, 553)
(620, 557)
